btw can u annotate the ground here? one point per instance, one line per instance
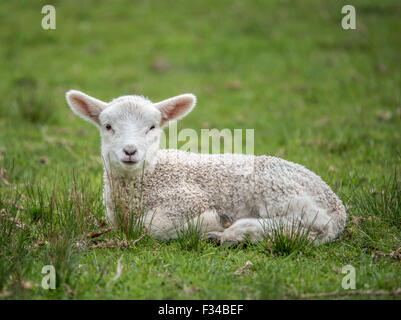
(314, 93)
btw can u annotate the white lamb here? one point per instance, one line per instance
(236, 196)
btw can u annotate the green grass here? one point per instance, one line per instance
(315, 94)
(191, 233)
(286, 239)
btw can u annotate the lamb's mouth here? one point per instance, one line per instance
(129, 162)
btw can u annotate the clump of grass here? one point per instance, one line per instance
(384, 202)
(375, 215)
(190, 233)
(14, 241)
(59, 235)
(129, 224)
(129, 209)
(63, 252)
(48, 224)
(69, 204)
(14, 234)
(282, 239)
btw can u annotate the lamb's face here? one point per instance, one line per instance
(130, 126)
(130, 131)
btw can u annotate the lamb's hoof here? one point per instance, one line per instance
(228, 243)
(218, 238)
(213, 237)
(225, 220)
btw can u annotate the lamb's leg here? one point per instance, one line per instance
(239, 230)
(254, 230)
(162, 228)
(301, 215)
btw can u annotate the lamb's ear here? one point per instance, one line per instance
(85, 106)
(176, 107)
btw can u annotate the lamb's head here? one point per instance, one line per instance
(130, 126)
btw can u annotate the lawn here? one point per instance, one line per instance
(315, 94)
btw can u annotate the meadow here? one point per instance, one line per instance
(314, 93)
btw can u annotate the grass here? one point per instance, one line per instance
(314, 93)
(191, 233)
(286, 239)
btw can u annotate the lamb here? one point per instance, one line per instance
(235, 196)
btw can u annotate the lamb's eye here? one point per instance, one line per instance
(108, 127)
(152, 127)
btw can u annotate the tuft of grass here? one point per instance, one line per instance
(375, 215)
(63, 252)
(42, 225)
(129, 210)
(129, 224)
(190, 233)
(14, 253)
(384, 202)
(283, 240)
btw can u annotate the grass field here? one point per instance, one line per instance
(315, 94)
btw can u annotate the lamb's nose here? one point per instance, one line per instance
(129, 150)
